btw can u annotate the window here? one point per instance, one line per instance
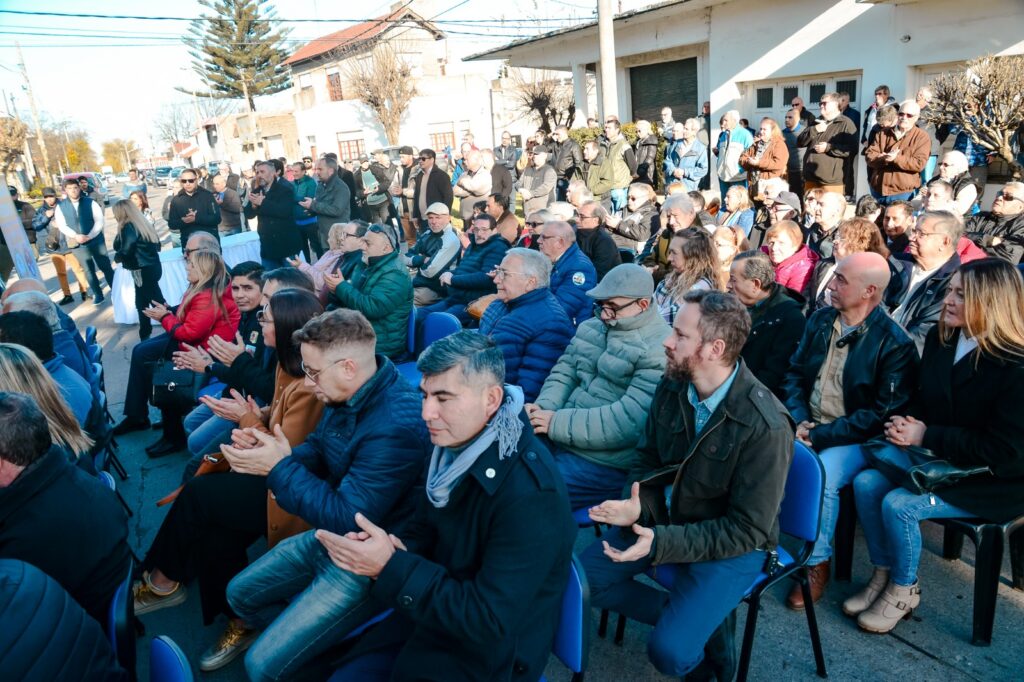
(442, 135)
(765, 97)
(334, 87)
(306, 98)
(311, 141)
(350, 145)
(789, 93)
(848, 86)
(814, 95)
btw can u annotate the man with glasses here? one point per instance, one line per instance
(193, 209)
(785, 206)
(361, 462)
(897, 156)
(594, 240)
(530, 237)
(436, 252)
(1000, 232)
(593, 405)
(829, 141)
(806, 117)
(273, 203)
(572, 273)
(432, 185)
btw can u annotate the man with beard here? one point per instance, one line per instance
(704, 494)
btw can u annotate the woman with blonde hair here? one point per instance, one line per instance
(853, 235)
(342, 240)
(729, 241)
(739, 212)
(137, 248)
(766, 158)
(693, 266)
(793, 260)
(21, 372)
(968, 412)
(206, 310)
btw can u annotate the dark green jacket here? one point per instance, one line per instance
(727, 483)
(383, 293)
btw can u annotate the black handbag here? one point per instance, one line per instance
(915, 468)
(174, 390)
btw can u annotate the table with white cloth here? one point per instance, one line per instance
(236, 249)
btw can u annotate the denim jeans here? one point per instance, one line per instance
(618, 198)
(887, 200)
(305, 603)
(588, 483)
(891, 517)
(841, 465)
(703, 595)
(929, 169)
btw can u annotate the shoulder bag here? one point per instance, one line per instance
(915, 468)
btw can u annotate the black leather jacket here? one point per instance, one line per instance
(878, 378)
(921, 311)
(567, 160)
(984, 228)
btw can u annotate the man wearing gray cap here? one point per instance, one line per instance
(537, 185)
(436, 252)
(785, 206)
(593, 405)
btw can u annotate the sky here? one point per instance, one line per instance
(111, 77)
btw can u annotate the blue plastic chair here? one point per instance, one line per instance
(167, 662)
(121, 614)
(90, 336)
(436, 326)
(572, 638)
(410, 341)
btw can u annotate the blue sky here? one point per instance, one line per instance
(112, 76)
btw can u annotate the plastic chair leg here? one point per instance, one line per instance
(115, 463)
(812, 628)
(620, 630)
(846, 531)
(602, 626)
(952, 543)
(753, 607)
(987, 566)
(1017, 560)
(127, 509)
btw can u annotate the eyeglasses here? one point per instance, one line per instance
(380, 229)
(263, 316)
(350, 234)
(610, 310)
(945, 165)
(589, 217)
(315, 376)
(906, 115)
(916, 233)
(503, 273)
(532, 223)
(1009, 197)
(188, 180)
(424, 158)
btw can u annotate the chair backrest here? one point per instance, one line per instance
(410, 342)
(95, 353)
(120, 617)
(627, 256)
(90, 336)
(800, 513)
(572, 638)
(439, 325)
(167, 662)
(108, 480)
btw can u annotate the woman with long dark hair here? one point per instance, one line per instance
(137, 248)
(693, 265)
(217, 516)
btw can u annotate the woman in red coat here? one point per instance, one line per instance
(793, 261)
(206, 310)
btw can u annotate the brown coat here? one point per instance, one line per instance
(297, 410)
(904, 173)
(773, 161)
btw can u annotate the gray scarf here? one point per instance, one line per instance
(447, 468)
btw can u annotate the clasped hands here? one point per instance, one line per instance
(364, 552)
(625, 514)
(233, 408)
(904, 431)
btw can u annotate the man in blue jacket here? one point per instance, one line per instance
(363, 458)
(686, 159)
(572, 273)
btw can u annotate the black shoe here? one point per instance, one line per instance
(163, 448)
(66, 300)
(85, 296)
(129, 424)
(98, 300)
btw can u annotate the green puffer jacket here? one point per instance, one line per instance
(384, 296)
(601, 388)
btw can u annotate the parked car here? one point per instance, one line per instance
(175, 172)
(160, 175)
(122, 178)
(96, 182)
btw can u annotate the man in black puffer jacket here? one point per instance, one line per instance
(1001, 231)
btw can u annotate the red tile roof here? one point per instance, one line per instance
(354, 34)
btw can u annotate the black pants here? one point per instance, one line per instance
(94, 253)
(207, 532)
(311, 242)
(140, 385)
(146, 293)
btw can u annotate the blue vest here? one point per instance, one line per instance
(82, 221)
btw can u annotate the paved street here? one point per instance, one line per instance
(932, 646)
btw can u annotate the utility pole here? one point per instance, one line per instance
(35, 114)
(606, 47)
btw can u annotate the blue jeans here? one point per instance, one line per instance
(891, 517)
(305, 603)
(723, 187)
(841, 464)
(929, 169)
(703, 595)
(887, 200)
(618, 197)
(588, 483)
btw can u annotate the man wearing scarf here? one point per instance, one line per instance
(476, 579)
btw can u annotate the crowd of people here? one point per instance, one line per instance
(626, 353)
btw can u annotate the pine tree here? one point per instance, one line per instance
(238, 50)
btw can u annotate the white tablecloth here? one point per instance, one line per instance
(236, 249)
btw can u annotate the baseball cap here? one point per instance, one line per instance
(438, 208)
(406, 150)
(789, 199)
(628, 280)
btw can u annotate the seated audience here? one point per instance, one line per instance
(677, 213)
(729, 241)
(811, 200)
(470, 279)
(699, 204)
(527, 322)
(869, 209)
(854, 368)
(68, 343)
(1000, 232)
(572, 273)
(966, 190)
(215, 518)
(593, 404)
(793, 260)
(693, 266)
(829, 211)
(776, 319)
(632, 226)
(332, 260)
(303, 603)
(53, 515)
(966, 410)
(487, 554)
(716, 518)
(499, 208)
(595, 240)
(852, 236)
(738, 210)
(898, 218)
(785, 206)
(563, 210)
(436, 252)
(382, 292)
(531, 229)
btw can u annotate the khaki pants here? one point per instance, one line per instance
(424, 296)
(810, 184)
(60, 264)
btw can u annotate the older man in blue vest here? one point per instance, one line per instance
(80, 220)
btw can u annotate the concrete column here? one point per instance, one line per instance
(579, 93)
(606, 37)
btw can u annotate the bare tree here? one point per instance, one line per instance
(543, 96)
(175, 122)
(384, 82)
(984, 99)
(12, 142)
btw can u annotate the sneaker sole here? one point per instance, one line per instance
(225, 659)
(175, 599)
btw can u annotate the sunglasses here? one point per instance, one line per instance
(187, 180)
(534, 224)
(424, 158)
(906, 115)
(380, 229)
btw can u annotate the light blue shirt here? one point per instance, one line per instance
(703, 409)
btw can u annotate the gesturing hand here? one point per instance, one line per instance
(333, 280)
(622, 513)
(155, 311)
(640, 549)
(224, 351)
(233, 408)
(364, 553)
(261, 459)
(195, 359)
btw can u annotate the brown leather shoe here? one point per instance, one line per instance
(818, 577)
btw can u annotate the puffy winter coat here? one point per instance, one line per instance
(532, 332)
(572, 276)
(795, 272)
(471, 280)
(202, 318)
(384, 295)
(601, 388)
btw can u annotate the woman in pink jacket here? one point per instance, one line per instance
(793, 261)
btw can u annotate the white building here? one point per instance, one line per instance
(453, 96)
(756, 55)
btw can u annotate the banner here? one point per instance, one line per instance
(18, 247)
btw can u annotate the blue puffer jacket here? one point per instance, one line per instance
(471, 280)
(532, 332)
(364, 456)
(571, 278)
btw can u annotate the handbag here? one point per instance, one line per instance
(174, 390)
(211, 464)
(476, 308)
(915, 468)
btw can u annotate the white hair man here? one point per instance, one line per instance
(1000, 232)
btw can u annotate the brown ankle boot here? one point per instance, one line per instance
(818, 577)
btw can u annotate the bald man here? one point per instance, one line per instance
(854, 368)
